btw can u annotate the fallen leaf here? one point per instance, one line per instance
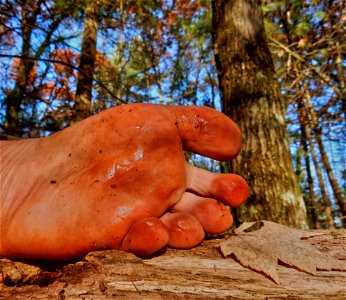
(260, 246)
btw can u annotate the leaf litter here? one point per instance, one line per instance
(261, 245)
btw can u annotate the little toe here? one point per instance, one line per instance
(231, 189)
(214, 216)
(185, 231)
(145, 237)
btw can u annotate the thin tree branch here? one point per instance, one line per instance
(323, 77)
(61, 63)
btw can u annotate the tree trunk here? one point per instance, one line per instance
(305, 136)
(82, 106)
(325, 198)
(324, 157)
(311, 201)
(15, 98)
(251, 97)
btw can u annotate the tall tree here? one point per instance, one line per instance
(308, 46)
(32, 12)
(311, 201)
(82, 105)
(15, 98)
(251, 96)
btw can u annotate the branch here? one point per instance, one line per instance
(61, 63)
(323, 77)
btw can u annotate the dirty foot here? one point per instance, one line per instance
(118, 180)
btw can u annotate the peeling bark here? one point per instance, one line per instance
(199, 273)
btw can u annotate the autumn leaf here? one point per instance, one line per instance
(260, 246)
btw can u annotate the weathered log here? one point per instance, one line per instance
(199, 273)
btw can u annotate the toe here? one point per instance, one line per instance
(231, 189)
(185, 231)
(145, 237)
(214, 217)
(205, 131)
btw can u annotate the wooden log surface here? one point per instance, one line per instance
(199, 273)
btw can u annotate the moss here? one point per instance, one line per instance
(280, 119)
(288, 197)
(263, 101)
(254, 108)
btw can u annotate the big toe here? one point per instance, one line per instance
(208, 132)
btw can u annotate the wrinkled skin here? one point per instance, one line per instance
(118, 180)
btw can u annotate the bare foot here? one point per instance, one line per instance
(118, 180)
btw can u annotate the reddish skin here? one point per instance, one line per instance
(145, 236)
(185, 231)
(230, 186)
(230, 189)
(203, 209)
(83, 188)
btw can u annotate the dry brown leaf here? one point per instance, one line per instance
(261, 245)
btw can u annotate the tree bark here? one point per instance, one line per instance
(311, 201)
(15, 98)
(251, 97)
(82, 105)
(199, 273)
(325, 198)
(340, 200)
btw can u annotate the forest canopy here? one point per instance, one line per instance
(63, 60)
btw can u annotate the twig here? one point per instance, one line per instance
(61, 63)
(323, 77)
